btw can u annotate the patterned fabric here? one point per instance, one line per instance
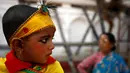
(112, 63)
(51, 68)
(89, 62)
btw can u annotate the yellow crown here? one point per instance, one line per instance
(36, 22)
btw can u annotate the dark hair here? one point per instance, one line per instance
(14, 17)
(112, 40)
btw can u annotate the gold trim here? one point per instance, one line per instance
(35, 17)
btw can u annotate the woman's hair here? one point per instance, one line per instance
(112, 39)
(14, 17)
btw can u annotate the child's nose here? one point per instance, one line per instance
(52, 46)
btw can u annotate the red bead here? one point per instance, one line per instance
(25, 30)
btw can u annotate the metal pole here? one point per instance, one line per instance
(128, 46)
(93, 29)
(118, 35)
(86, 32)
(99, 7)
(67, 48)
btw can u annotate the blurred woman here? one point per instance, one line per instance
(105, 61)
(29, 32)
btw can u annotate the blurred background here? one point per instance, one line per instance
(79, 24)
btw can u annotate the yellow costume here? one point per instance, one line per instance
(36, 22)
(52, 68)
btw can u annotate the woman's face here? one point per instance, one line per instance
(38, 47)
(104, 44)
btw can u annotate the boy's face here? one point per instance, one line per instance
(38, 47)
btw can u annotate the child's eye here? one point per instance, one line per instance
(44, 40)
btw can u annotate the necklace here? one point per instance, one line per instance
(31, 70)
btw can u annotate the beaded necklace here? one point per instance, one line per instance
(32, 70)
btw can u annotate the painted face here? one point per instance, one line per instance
(39, 46)
(104, 44)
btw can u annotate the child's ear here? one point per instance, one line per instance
(17, 44)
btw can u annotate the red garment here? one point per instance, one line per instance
(13, 64)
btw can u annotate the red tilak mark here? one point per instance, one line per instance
(25, 30)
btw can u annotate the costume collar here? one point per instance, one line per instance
(13, 64)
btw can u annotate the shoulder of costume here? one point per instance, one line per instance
(55, 67)
(3, 68)
(56, 63)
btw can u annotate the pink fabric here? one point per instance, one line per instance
(89, 61)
